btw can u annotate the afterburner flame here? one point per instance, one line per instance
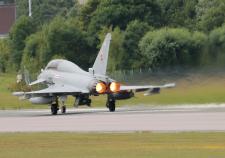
(115, 87)
(101, 88)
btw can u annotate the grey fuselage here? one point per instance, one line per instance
(69, 74)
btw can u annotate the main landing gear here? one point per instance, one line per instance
(55, 107)
(111, 103)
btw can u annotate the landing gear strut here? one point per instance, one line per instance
(55, 107)
(63, 109)
(62, 100)
(111, 103)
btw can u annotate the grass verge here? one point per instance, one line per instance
(132, 145)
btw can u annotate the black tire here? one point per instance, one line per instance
(63, 109)
(89, 102)
(54, 109)
(112, 106)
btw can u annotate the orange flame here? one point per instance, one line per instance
(101, 88)
(115, 87)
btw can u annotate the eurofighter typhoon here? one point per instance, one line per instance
(64, 78)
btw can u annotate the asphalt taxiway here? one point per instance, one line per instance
(125, 119)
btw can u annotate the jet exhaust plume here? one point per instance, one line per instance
(101, 88)
(114, 87)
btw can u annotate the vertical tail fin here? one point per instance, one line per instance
(101, 61)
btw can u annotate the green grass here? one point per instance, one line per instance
(7, 101)
(197, 91)
(132, 145)
(213, 92)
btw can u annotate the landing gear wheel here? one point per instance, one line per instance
(112, 106)
(89, 104)
(63, 109)
(54, 109)
(111, 103)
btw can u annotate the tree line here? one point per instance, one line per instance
(145, 33)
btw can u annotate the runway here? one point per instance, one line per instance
(125, 119)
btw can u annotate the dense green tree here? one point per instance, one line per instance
(169, 47)
(66, 29)
(120, 12)
(18, 34)
(68, 40)
(217, 45)
(45, 10)
(116, 51)
(132, 35)
(34, 54)
(210, 14)
(61, 38)
(87, 11)
(178, 12)
(4, 55)
(117, 13)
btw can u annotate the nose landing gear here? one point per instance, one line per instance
(55, 105)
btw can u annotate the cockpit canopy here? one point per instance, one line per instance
(63, 66)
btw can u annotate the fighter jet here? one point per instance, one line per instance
(64, 78)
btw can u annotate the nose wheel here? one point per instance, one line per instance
(55, 107)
